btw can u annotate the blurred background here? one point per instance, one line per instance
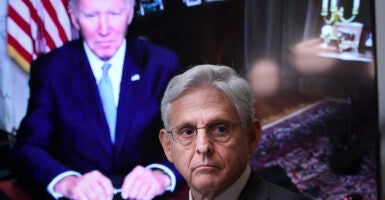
(313, 65)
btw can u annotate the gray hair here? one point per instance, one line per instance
(224, 78)
(72, 4)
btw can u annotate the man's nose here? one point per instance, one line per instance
(202, 141)
(103, 25)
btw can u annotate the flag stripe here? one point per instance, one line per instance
(65, 20)
(23, 52)
(51, 11)
(35, 27)
(50, 31)
(35, 24)
(19, 20)
(19, 36)
(21, 56)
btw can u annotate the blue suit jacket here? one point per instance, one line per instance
(65, 126)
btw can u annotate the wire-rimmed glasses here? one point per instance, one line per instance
(219, 131)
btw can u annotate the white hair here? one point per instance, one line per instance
(224, 78)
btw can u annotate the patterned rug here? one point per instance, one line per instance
(303, 144)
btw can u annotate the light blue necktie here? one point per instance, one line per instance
(107, 96)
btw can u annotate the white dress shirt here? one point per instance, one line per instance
(115, 71)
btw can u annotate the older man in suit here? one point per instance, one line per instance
(210, 132)
(93, 112)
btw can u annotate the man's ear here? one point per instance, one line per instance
(166, 143)
(130, 14)
(74, 19)
(254, 132)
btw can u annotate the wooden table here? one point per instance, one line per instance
(15, 190)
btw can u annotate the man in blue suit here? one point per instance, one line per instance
(66, 144)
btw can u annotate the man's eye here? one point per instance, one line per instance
(219, 129)
(115, 13)
(186, 132)
(89, 15)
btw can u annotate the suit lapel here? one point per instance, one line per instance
(85, 89)
(255, 188)
(125, 107)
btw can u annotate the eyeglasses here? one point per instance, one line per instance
(218, 131)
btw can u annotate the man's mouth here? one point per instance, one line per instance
(205, 168)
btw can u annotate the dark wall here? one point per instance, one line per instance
(211, 33)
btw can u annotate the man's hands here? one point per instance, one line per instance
(93, 185)
(142, 183)
(139, 184)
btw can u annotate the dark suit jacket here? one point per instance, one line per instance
(65, 126)
(257, 188)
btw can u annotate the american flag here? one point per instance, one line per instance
(35, 27)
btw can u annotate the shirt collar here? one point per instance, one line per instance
(235, 189)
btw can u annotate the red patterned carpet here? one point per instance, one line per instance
(305, 144)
